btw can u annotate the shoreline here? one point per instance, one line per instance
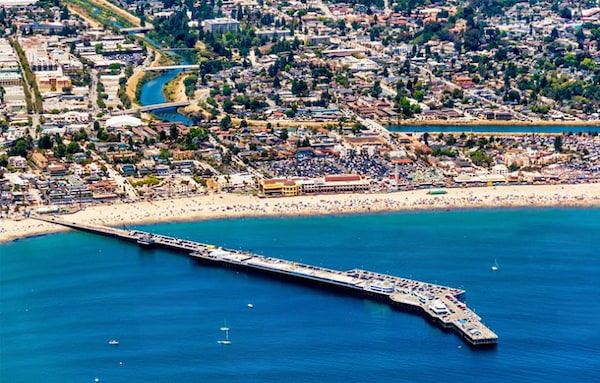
(233, 206)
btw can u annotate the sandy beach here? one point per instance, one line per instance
(218, 206)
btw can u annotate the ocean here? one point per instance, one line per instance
(64, 296)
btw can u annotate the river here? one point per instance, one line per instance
(152, 93)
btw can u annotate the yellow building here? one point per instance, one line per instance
(279, 188)
(290, 189)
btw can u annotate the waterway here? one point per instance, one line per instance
(152, 93)
(492, 129)
(64, 296)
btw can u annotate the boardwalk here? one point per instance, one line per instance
(441, 304)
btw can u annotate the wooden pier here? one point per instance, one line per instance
(441, 304)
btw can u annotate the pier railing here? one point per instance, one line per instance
(441, 304)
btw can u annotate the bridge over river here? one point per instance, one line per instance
(149, 108)
(169, 67)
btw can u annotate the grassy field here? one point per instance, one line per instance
(105, 13)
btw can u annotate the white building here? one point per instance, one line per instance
(221, 25)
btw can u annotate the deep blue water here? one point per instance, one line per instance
(64, 296)
(492, 129)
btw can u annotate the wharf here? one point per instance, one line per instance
(441, 304)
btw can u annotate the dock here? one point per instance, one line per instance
(442, 305)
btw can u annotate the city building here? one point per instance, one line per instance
(221, 25)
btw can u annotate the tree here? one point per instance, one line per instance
(558, 144)
(471, 39)
(300, 88)
(20, 148)
(225, 123)
(376, 91)
(45, 142)
(73, 147)
(566, 13)
(173, 132)
(227, 105)
(283, 134)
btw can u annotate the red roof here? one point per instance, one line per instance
(342, 178)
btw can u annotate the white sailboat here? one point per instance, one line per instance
(495, 266)
(226, 341)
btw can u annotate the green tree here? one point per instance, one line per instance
(173, 132)
(225, 123)
(283, 134)
(558, 144)
(45, 142)
(73, 147)
(300, 88)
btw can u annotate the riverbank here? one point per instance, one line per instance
(119, 11)
(218, 206)
(74, 8)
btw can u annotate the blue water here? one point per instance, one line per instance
(152, 93)
(64, 296)
(492, 129)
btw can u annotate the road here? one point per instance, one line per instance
(325, 9)
(119, 179)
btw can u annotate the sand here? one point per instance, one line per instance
(216, 206)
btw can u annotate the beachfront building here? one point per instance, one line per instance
(332, 184)
(221, 25)
(280, 188)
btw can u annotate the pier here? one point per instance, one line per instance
(442, 305)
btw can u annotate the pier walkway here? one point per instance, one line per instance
(441, 304)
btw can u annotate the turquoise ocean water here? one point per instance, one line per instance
(64, 296)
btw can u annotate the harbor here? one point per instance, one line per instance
(442, 305)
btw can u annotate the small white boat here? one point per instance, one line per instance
(113, 342)
(250, 305)
(495, 266)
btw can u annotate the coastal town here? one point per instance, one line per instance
(234, 190)
(299, 98)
